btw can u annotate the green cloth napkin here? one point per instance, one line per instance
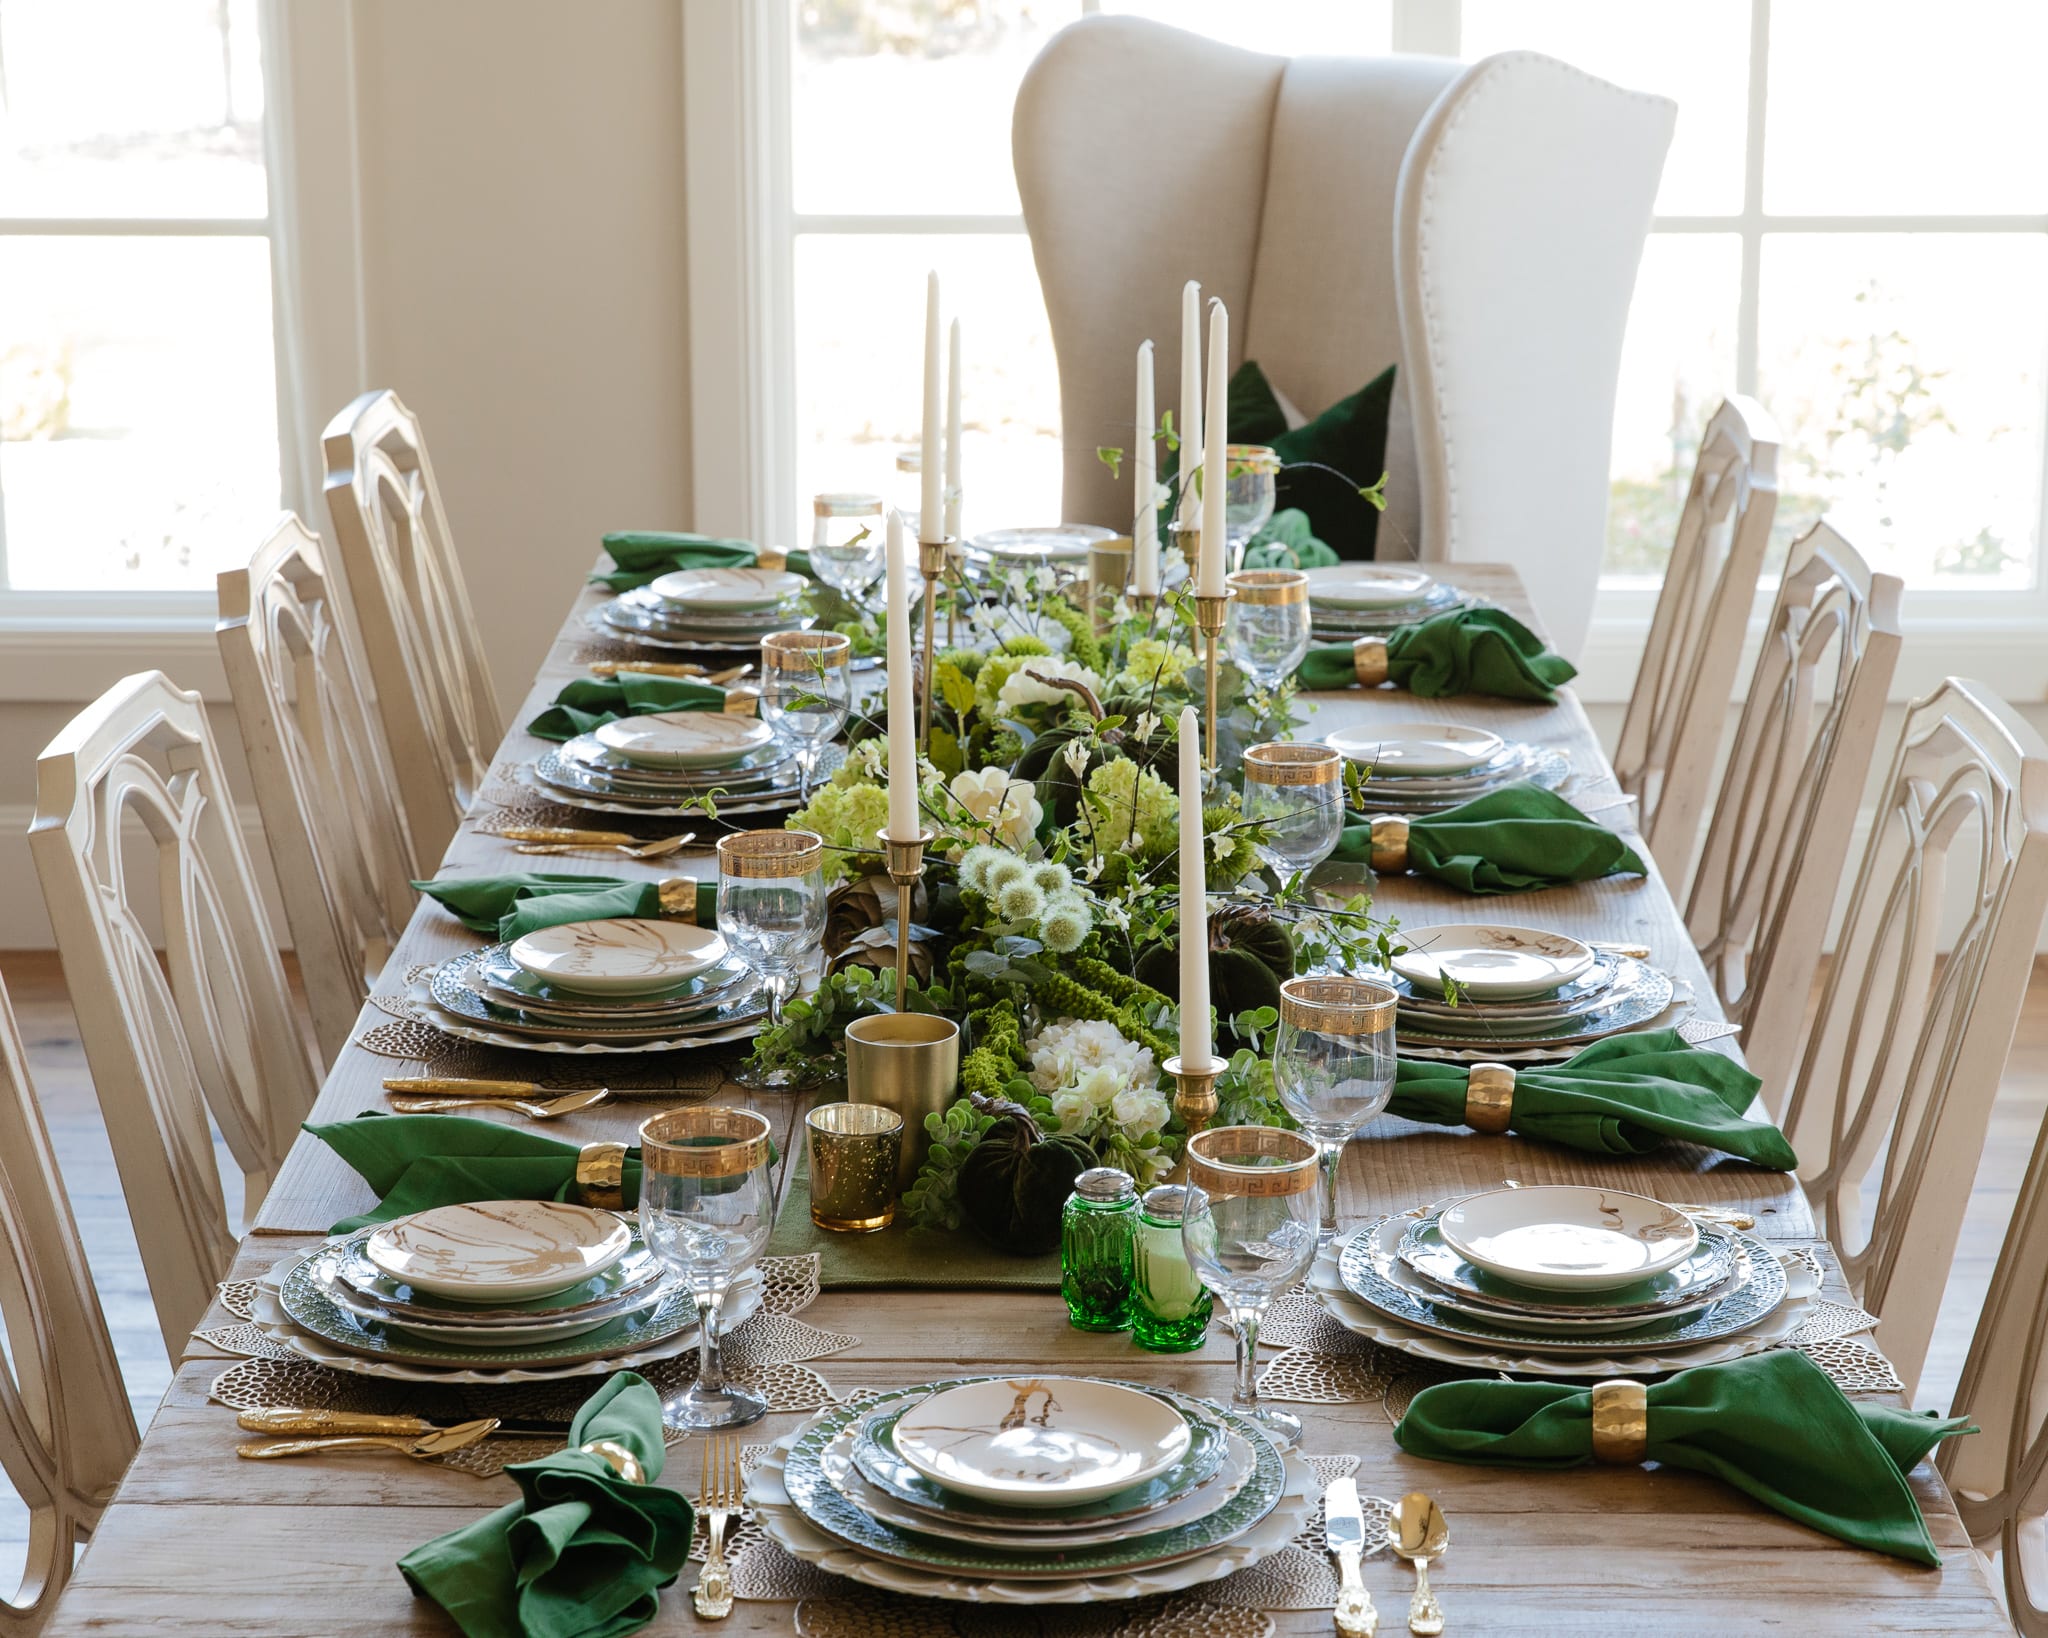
(590, 702)
(1511, 840)
(1467, 651)
(1287, 542)
(1620, 1096)
(416, 1162)
(582, 1553)
(899, 1256)
(509, 907)
(645, 555)
(1773, 1425)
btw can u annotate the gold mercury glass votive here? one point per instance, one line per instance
(854, 1148)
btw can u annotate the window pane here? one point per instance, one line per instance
(138, 409)
(1896, 105)
(1696, 54)
(904, 105)
(131, 108)
(1326, 28)
(860, 349)
(1677, 364)
(1906, 373)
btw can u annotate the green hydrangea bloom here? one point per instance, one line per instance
(847, 816)
(1137, 811)
(1151, 657)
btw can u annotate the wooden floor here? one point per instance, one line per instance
(36, 985)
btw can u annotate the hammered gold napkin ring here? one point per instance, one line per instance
(1389, 844)
(1489, 1097)
(601, 1176)
(676, 898)
(1621, 1421)
(1369, 661)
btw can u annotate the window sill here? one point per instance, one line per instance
(73, 656)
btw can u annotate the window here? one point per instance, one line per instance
(138, 396)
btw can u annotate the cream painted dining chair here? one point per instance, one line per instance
(428, 673)
(1478, 225)
(1671, 735)
(1779, 836)
(66, 1432)
(1892, 1099)
(134, 823)
(323, 778)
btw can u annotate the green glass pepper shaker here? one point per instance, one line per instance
(1095, 1249)
(1169, 1305)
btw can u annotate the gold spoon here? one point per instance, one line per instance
(546, 1109)
(424, 1448)
(1419, 1532)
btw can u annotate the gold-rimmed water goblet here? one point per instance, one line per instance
(1294, 793)
(771, 910)
(705, 1212)
(847, 542)
(806, 692)
(1248, 503)
(1249, 1231)
(1268, 626)
(1333, 1067)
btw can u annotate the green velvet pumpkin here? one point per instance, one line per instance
(1250, 952)
(1014, 1183)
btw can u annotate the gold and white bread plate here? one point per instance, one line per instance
(622, 955)
(685, 739)
(1418, 748)
(1366, 586)
(1491, 961)
(726, 591)
(1568, 1237)
(493, 1251)
(1041, 1441)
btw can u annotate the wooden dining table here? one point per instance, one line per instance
(200, 1542)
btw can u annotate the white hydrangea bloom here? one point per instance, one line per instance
(1140, 1111)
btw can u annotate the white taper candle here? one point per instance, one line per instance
(1195, 1050)
(903, 825)
(1215, 455)
(931, 510)
(953, 432)
(1190, 428)
(1145, 522)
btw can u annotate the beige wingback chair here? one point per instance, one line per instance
(1478, 225)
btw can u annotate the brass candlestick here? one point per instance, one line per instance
(906, 865)
(1195, 1100)
(1188, 537)
(1210, 613)
(932, 557)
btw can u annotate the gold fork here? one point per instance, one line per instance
(718, 1493)
(534, 1109)
(632, 849)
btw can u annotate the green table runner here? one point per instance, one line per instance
(1467, 651)
(1773, 1425)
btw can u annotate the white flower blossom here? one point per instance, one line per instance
(1102, 1085)
(1073, 1111)
(1076, 754)
(1021, 687)
(1140, 1111)
(1008, 807)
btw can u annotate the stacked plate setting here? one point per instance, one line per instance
(504, 1290)
(1563, 1278)
(1427, 767)
(707, 609)
(1040, 546)
(622, 985)
(1039, 1489)
(1522, 994)
(1348, 600)
(665, 765)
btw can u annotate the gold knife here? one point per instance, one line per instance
(560, 834)
(437, 1086)
(293, 1419)
(436, 1441)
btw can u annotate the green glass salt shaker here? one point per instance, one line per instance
(1095, 1249)
(1169, 1305)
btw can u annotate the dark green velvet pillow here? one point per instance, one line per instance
(1350, 437)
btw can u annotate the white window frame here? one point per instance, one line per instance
(743, 229)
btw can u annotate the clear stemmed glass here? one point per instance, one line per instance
(806, 691)
(1250, 1233)
(1248, 502)
(1268, 631)
(771, 909)
(847, 542)
(1333, 1066)
(1296, 793)
(705, 1212)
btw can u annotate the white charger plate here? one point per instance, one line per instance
(1366, 586)
(726, 591)
(1491, 961)
(493, 1251)
(1040, 1441)
(1419, 748)
(624, 955)
(685, 739)
(1568, 1237)
(1044, 543)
